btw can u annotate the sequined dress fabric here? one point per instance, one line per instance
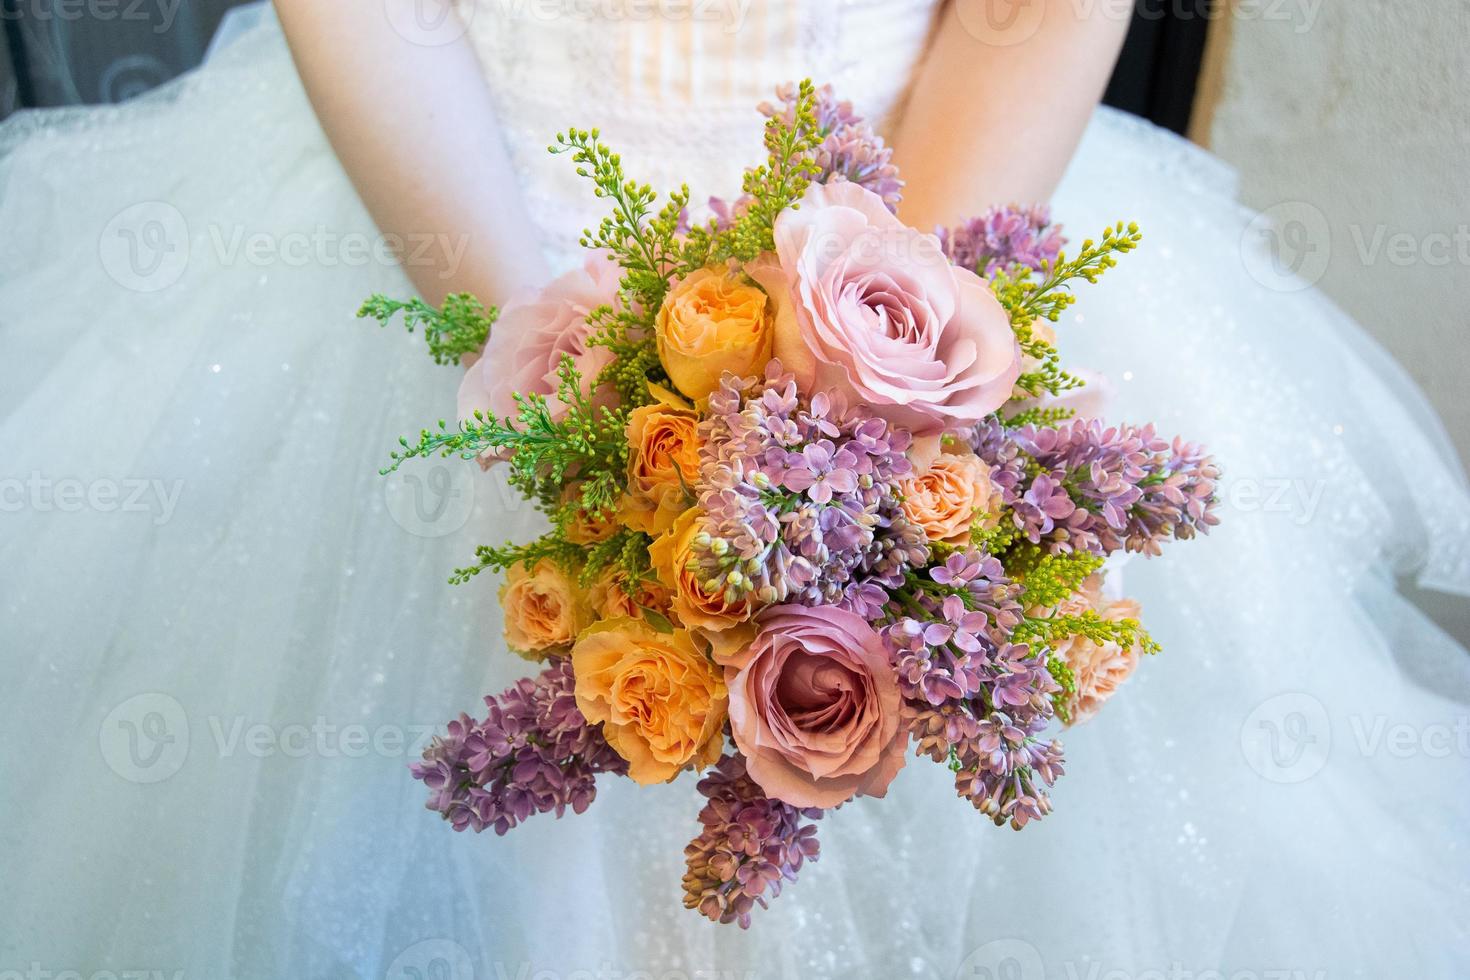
(215, 676)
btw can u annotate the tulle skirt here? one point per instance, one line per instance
(224, 636)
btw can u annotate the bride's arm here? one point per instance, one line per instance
(413, 125)
(997, 108)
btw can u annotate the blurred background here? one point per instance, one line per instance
(1347, 121)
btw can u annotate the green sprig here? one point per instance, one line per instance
(461, 326)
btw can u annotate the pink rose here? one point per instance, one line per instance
(814, 707)
(528, 342)
(880, 313)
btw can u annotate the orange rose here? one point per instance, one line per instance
(663, 462)
(661, 704)
(583, 527)
(543, 608)
(711, 322)
(695, 603)
(613, 597)
(948, 499)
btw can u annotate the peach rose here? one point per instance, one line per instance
(713, 321)
(663, 462)
(1097, 668)
(661, 704)
(693, 605)
(948, 499)
(544, 610)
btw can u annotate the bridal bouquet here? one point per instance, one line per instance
(816, 495)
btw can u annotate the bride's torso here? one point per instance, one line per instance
(674, 84)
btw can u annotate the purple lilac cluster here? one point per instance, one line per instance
(973, 698)
(800, 499)
(1083, 486)
(533, 753)
(850, 149)
(1002, 238)
(747, 846)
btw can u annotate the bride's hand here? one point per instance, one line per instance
(412, 121)
(1000, 103)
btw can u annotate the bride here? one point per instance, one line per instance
(225, 636)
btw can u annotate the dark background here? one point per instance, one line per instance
(55, 55)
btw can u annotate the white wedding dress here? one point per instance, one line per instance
(223, 635)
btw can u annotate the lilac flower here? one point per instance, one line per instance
(1080, 486)
(533, 753)
(800, 498)
(747, 846)
(973, 698)
(1002, 238)
(850, 149)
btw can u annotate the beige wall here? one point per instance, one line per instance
(1353, 117)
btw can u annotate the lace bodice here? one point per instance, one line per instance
(674, 85)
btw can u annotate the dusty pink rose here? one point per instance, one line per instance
(879, 312)
(528, 342)
(814, 707)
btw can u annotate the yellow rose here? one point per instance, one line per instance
(693, 606)
(663, 462)
(711, 322)
(543, 608)
(661, 703)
